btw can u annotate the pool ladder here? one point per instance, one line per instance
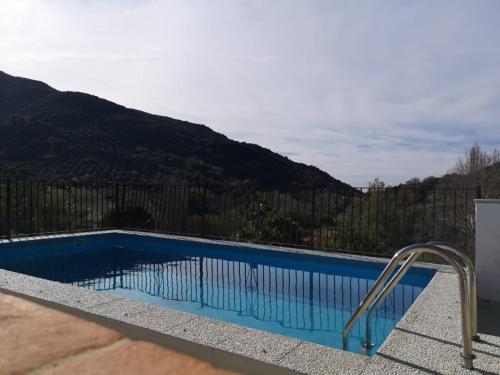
(467, 285)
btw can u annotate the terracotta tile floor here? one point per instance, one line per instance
(36, 339)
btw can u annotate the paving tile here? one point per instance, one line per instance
(131, 358)
(33, 335)
(316, 359)
(69, 295)
(25, 284)
(206, 331)
(84, 299)
(159, 319)
(259, 345)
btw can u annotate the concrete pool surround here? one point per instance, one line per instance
(467, 287)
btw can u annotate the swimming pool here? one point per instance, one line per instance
(298, 295)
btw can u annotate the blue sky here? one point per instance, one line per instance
(361, 89)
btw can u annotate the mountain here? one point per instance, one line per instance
(50, 134)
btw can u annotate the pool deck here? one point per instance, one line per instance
(427, 339)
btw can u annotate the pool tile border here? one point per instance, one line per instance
(285, 352)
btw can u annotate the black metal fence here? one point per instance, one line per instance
(374, 221)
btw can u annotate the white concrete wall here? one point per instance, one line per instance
(488, 248)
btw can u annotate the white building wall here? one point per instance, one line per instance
(488, 248)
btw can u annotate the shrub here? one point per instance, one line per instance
(129, 217)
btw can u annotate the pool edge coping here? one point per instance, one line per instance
(286, 352)
(321, 253)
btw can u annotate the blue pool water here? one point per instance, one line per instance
(302, 296)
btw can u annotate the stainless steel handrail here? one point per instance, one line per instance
(368, 344)
(471, 281)
(419, 249)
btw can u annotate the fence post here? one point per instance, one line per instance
(479, 192)
(117, 204)
(8, 204)
(313, 218)
(124, 191)
(203, 208)
(117, 197)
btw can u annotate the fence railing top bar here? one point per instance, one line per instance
(359, 189)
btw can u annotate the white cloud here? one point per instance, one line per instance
(360, 89)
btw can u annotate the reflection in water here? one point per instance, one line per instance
(309, 305)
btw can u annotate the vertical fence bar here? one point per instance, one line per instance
(434, 215)
(313, 217)
(386, 222)
(75, 208)
(157, 207)
(424, 220)
(70, 213)
(305, 216)
(455, 215)
(335, 221)
(444, 215)
(377, 190)
(44, 209)
(394, 224)
(102, 206)
(344, 221)
(57, 203)
(198, 208)
(351, 225)
(63, 189)
(117, 205)
(203, 208)
(81, 207)
(51, 214)
(24, 207)
(466, 227)
(108, 201)
(328, 228)
(87, 213)
(16, 208)
(144, 205)
(479, 192)
(320, 239)
(360, 213)
(368, 216)
(1, 209)
(97, 206)
(404, 206)
(8, 208)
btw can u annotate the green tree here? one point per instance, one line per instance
(265, 224)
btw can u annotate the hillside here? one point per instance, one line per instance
(49, 134)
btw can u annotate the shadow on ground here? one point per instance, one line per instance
(488, 314)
